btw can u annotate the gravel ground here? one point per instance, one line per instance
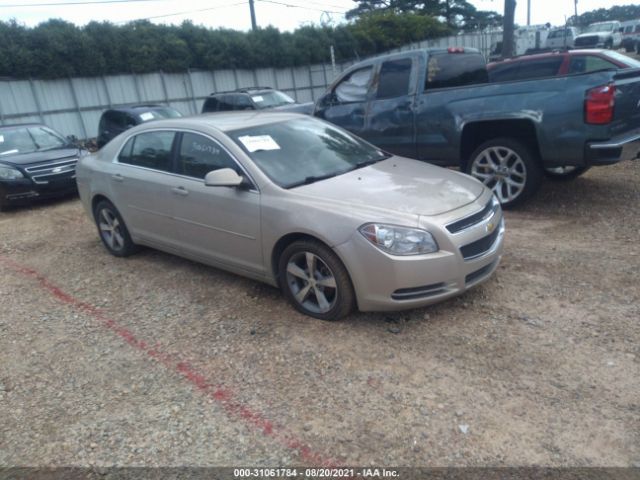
(155, 360)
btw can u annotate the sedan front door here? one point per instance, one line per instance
(219, 225)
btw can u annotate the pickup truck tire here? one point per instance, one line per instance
(507, 167)
(564, 174)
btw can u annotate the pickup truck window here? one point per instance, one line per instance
(354, 88)
(394, 78)
(455, 70)
(589, 63)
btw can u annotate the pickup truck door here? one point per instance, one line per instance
(390, 122)
(345, 105)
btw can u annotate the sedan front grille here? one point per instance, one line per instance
(480, 247)
(43, 173)
(489, 209)
(478, 274)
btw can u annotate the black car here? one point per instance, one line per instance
(254, 98)
(116, 120)
(35, 162)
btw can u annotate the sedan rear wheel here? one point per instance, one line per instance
(508, 168)
(315, 281)
(112, 230)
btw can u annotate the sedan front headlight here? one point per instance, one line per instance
(399, 240)
(9, 173)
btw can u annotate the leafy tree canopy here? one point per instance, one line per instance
(57, 48)
(617, 12)
(455, 13)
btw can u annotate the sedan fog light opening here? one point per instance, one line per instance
(399, 240)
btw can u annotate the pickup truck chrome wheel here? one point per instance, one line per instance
(315, 281)
(507, 167)
(112, 230)
(502, 170)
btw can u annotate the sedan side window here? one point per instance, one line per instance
(200, 155)
(354, 88)
(149, 150)
(589, 63)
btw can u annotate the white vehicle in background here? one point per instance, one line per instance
(630, 35)
(561, 37)
(601, 35)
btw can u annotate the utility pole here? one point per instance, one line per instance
(252, 9)
(507, 28)
(528, 12)
(575, 4)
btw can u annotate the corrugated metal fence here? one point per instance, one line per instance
(73, 106)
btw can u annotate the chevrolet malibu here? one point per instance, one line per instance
(297, 203)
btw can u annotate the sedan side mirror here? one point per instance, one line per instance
(224, 177)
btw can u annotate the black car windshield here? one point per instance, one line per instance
(29, 139)
(159, 113)
(271, 99)
(302, 151)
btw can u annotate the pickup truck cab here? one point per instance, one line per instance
(436, 105)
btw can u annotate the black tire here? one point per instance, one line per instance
(340, 299)
(609, 44)
(565, 176)
(518, 165)
(117, 241)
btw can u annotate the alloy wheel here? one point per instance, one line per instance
(502, 170)
(110, 229)
(311, 282)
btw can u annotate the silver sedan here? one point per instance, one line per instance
(297, 203)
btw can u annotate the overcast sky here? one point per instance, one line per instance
(235, 13)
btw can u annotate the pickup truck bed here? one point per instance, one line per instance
(436, 105)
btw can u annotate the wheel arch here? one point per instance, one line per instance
(476, 133)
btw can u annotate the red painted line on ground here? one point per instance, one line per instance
(222, 395)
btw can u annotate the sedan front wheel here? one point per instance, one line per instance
(315, 281)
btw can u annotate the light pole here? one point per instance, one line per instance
(252, 9)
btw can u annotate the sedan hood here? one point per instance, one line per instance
(401, 185)
(34, 157)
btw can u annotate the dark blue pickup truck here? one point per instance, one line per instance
(437, 105)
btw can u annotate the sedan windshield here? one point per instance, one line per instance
(272, 99)
(630, 62)
(600, 27)
(302, 151)
(29, 139)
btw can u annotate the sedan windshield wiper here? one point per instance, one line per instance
(312, 179)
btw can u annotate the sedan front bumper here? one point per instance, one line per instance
(25, 191)
(390, 282)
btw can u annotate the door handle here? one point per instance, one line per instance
(117, 177)
(180, 191)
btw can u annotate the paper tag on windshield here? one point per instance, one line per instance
(258, 99)
(259, 142)
(146, 116)
(1, 139)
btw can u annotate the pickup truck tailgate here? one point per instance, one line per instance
(626, 114)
